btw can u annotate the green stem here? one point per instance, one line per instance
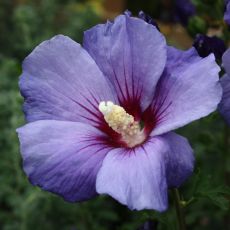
(226, 153)
(187, 203)
(179, 209)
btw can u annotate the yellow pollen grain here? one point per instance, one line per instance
(118, 119)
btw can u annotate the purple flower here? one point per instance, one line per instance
(206, 45)
(227, 12)
(184, 9)
(101, 117)
(224, 106)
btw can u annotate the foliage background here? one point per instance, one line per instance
(26, 23)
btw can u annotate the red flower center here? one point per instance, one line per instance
(124, 129)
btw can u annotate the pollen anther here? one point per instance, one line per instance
(120, 121)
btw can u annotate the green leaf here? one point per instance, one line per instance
(203, 187)
(197, 25)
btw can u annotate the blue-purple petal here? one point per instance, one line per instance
(61, 81)
(140, 177)
(180, 161)
(131, 53)
(226, 61)
(62, 157)
(189, 89)
(136, 177)
(224, 106)
(227, 13)
(178, 59)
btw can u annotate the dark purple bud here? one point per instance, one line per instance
(147, 19)
(206, 45)
(184, 9)
(128, 13)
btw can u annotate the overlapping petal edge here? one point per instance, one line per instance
(224, 106)
(68, 148)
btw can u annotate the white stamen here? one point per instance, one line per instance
(105, 107)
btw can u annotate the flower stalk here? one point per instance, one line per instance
(179, 209)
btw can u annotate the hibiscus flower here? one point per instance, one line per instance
(100, 117)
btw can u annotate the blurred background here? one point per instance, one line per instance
(26, 23)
